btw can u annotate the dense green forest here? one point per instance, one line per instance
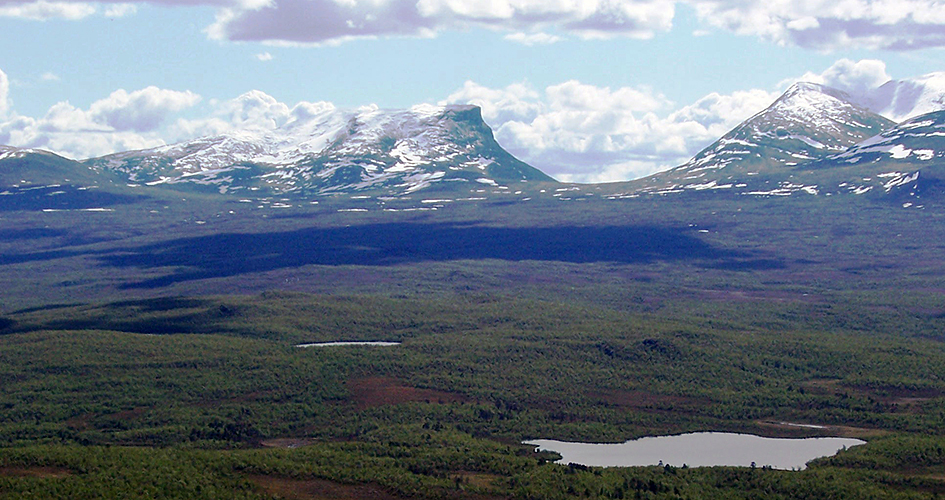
(203, 397)
(146, 356)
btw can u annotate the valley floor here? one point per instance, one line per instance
(150, 351)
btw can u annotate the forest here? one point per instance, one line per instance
(155, 358)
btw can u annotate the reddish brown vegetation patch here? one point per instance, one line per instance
(904, 399)
(286, 443)
(370, 392)
(80, 423)
(319, 489)
(42, 472)
(477, 479)
(787, 429)
(86, 421)
(129, 414)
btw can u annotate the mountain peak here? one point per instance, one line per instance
(812, 105)
(800, 88)
(808, 122)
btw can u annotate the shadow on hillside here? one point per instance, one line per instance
(225, 255)
(60, 198)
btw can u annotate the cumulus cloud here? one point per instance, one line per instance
(531, 39)
(142, 110)
(122, 121)
(830, 25)
(43, 10)
(333, 21)
(585, 133)
(818, 24)
(854, 77)
(264, 56)
(71, 132)
(255, 112)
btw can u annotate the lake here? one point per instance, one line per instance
(700, 449)
(332, 344)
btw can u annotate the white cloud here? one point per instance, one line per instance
(122, 121)
(254, 111)
(4, 93)
(43, 10)
(121, 10)
(584, 133)
(264, 56)
(71, 132)
(831, 24)
(854, 77)
(49, 76)
(142, 110)
(334, 21)
(818, 24)
(531, 39)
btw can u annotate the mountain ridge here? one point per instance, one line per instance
(333, 151)
(813, 139)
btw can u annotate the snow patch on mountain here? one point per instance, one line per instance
(808, 122)
(331, 151)
(919, 138)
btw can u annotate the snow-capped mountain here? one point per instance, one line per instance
(899, 100)
(334, 151)
(907, 160)
(808, 122)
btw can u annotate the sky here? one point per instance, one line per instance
(585, 90)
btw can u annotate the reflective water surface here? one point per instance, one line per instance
(331, 344)
(701, 449)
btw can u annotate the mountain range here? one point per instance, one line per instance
(812, 140)
(334, 151)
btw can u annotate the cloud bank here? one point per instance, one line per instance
(831, 24)
(43, 10)
(122, 121)
(817, 24)
(584, 133)
(334, 21)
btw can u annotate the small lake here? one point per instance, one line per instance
(333, 344)
(700, 449)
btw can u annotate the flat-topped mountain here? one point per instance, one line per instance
(335, 151)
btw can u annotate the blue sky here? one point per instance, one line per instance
(587, 90)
